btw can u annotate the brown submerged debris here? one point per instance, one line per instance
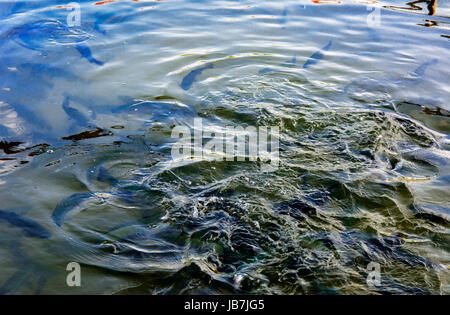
(98, 132)
(436, 112)
(42, 149)
(53, 163)
(11, 147)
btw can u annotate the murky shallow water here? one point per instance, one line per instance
(86, 114)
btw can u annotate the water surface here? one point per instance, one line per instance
(86, 114)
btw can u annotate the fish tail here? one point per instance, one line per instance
(56, 219)
(30, 227)
(99, 29)
(97, 62)
(14, 283)
(86, 53)
(41, 284)
(105, 176)
(65, 104)
(2, 214)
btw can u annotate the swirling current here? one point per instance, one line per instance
(90, 94)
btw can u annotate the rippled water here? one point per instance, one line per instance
(86, 114)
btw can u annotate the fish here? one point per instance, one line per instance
(17, 280)
(420, 71)
(105, 177)
(74, 113)
(42, 35)
(68, 204)
(416, 77)
(40, 80)
(112, 18)
(86, 53)
(21, 278)
(28, 270)
(368, 84)
(31, 227)
(317, 56)
(74, 201)
(190, 78)
(101, 20)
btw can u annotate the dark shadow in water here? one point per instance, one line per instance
(429, 23)
(10, 147)
(433, 116)
(438, 112)
(431, 6)
(14, 147)
(98, 132)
